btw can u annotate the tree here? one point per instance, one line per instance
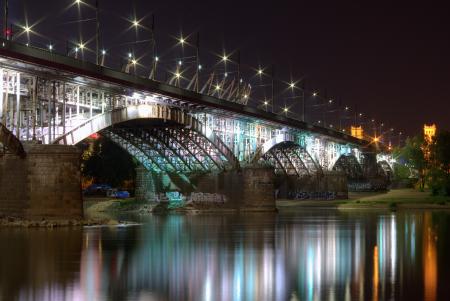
(107, 163)
(413, 153)
(440, 150)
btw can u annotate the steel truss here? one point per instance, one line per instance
(10, 142)
(291, 159)
(349, 165)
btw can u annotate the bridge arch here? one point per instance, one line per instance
(10, 142)
(349, 165)
(287, 156)
(178, 127)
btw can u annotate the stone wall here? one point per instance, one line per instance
(251, 188)
(330, 186)
(44, 184)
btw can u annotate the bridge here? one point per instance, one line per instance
(199, 138)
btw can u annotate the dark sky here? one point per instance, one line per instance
(389, 57)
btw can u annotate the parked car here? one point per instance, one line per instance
(97, 189)
(119, 194)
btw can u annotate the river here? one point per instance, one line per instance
(296, 255)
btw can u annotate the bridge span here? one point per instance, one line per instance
(202, 143)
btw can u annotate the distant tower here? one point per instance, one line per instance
(429, 131)
(357, 131)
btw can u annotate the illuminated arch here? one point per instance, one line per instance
(349, 165)
(184, 121)
(287, 156)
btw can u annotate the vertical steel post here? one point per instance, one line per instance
(103, 102)
(5, 19)
(5, 103)
(273, 88)
(49, 113)
(90, 104)
(197, 56)
(78, 101)
(303, 101)
(54, 109)
(97, 34)
(17, 121)
(63, 115)
(1, 94)
(34, 107)
(239, 76)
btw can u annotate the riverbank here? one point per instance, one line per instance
(394, 199)
(10, 221)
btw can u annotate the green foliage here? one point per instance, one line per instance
(108, 163)
(401, 172)
(414, 155)
(435, 180)
(440, 150)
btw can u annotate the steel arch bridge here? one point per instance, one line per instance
(55, 100)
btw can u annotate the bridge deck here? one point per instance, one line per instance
(39, 61)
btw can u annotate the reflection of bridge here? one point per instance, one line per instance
(59, 100)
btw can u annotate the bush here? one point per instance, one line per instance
(393, 206)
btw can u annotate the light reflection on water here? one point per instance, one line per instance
(313, 255)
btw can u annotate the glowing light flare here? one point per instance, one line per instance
(156, 58)
(134, 61)
(266, 103)
(103, 52)
(225, 58)
(177, 75)
(217, 87)
(292, 85)
(314, 94)
(135, 23)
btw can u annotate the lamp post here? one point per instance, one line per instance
(97, 32)
(5, 19)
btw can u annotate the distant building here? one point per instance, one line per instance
(357, 131)
(429, 131)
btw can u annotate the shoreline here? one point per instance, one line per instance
(102, 211)
(396, 199)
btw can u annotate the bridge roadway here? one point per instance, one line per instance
(37, 61)
(172, 131)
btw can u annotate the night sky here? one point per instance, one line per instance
(389, 58)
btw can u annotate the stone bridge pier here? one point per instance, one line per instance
(43, 183)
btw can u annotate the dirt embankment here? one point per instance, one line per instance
(393, 199)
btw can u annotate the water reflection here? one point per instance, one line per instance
(297, 256)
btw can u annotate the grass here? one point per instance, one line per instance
(392, 200)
